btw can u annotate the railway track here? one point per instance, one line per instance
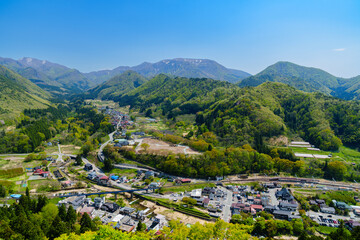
(294, 180)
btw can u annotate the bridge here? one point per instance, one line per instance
(110, 192)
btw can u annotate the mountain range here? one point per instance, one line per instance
(59, 79)
(109, 84)
(306, 79)
(181, 67)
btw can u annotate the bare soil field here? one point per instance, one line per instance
(279, 141)
(172, 215)
(70, 149)
(162, 148)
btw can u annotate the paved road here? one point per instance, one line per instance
(100, 154)
(97, 170)
(227, 202)
(14, 154)
(273, 199)
(60, 155)
(139, 144)
(126, 166)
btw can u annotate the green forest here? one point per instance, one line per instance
(75, 123)
(240, 115)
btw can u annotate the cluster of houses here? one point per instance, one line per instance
(248, 201)
(117, 117)
(99, 178)
(121, 142)
(331, 210)
(210, 198)
(253, 202)
(121, 218)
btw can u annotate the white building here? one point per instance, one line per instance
(196, 193)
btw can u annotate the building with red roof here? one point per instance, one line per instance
(257, 208)
(186, 180)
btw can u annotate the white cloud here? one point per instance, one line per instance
(339, 49)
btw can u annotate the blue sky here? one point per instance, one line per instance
(246, 35)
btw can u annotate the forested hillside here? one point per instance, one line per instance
(243, 115)
(175, 95)
(306, 79)
(50, 76)
(76, 123)
(18, 93)
(117, 86)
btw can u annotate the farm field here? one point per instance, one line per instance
(70, 149)
(16, 161)
(344, 153)
(159, 125)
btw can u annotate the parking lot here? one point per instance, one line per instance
(328, 219)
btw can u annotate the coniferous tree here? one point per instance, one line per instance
(141, 226)
(27, 192)
(78, 160)
(86, 224)
(57, 228)
(2, 191)
(62, 212)
(42, 201)
(71, 215)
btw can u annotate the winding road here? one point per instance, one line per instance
(100, 153)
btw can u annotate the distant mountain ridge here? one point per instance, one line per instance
(307, 79)
(50, 76)
(60, 79)
(181, 67)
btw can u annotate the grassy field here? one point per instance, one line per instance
(52, 149)
(55, 200)
(325, 229)
(159, 125)
(44, 185)
(70, 149)
(305, 150)
(348, 154)
(11, 163)
(124, 172)
(343, 196)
